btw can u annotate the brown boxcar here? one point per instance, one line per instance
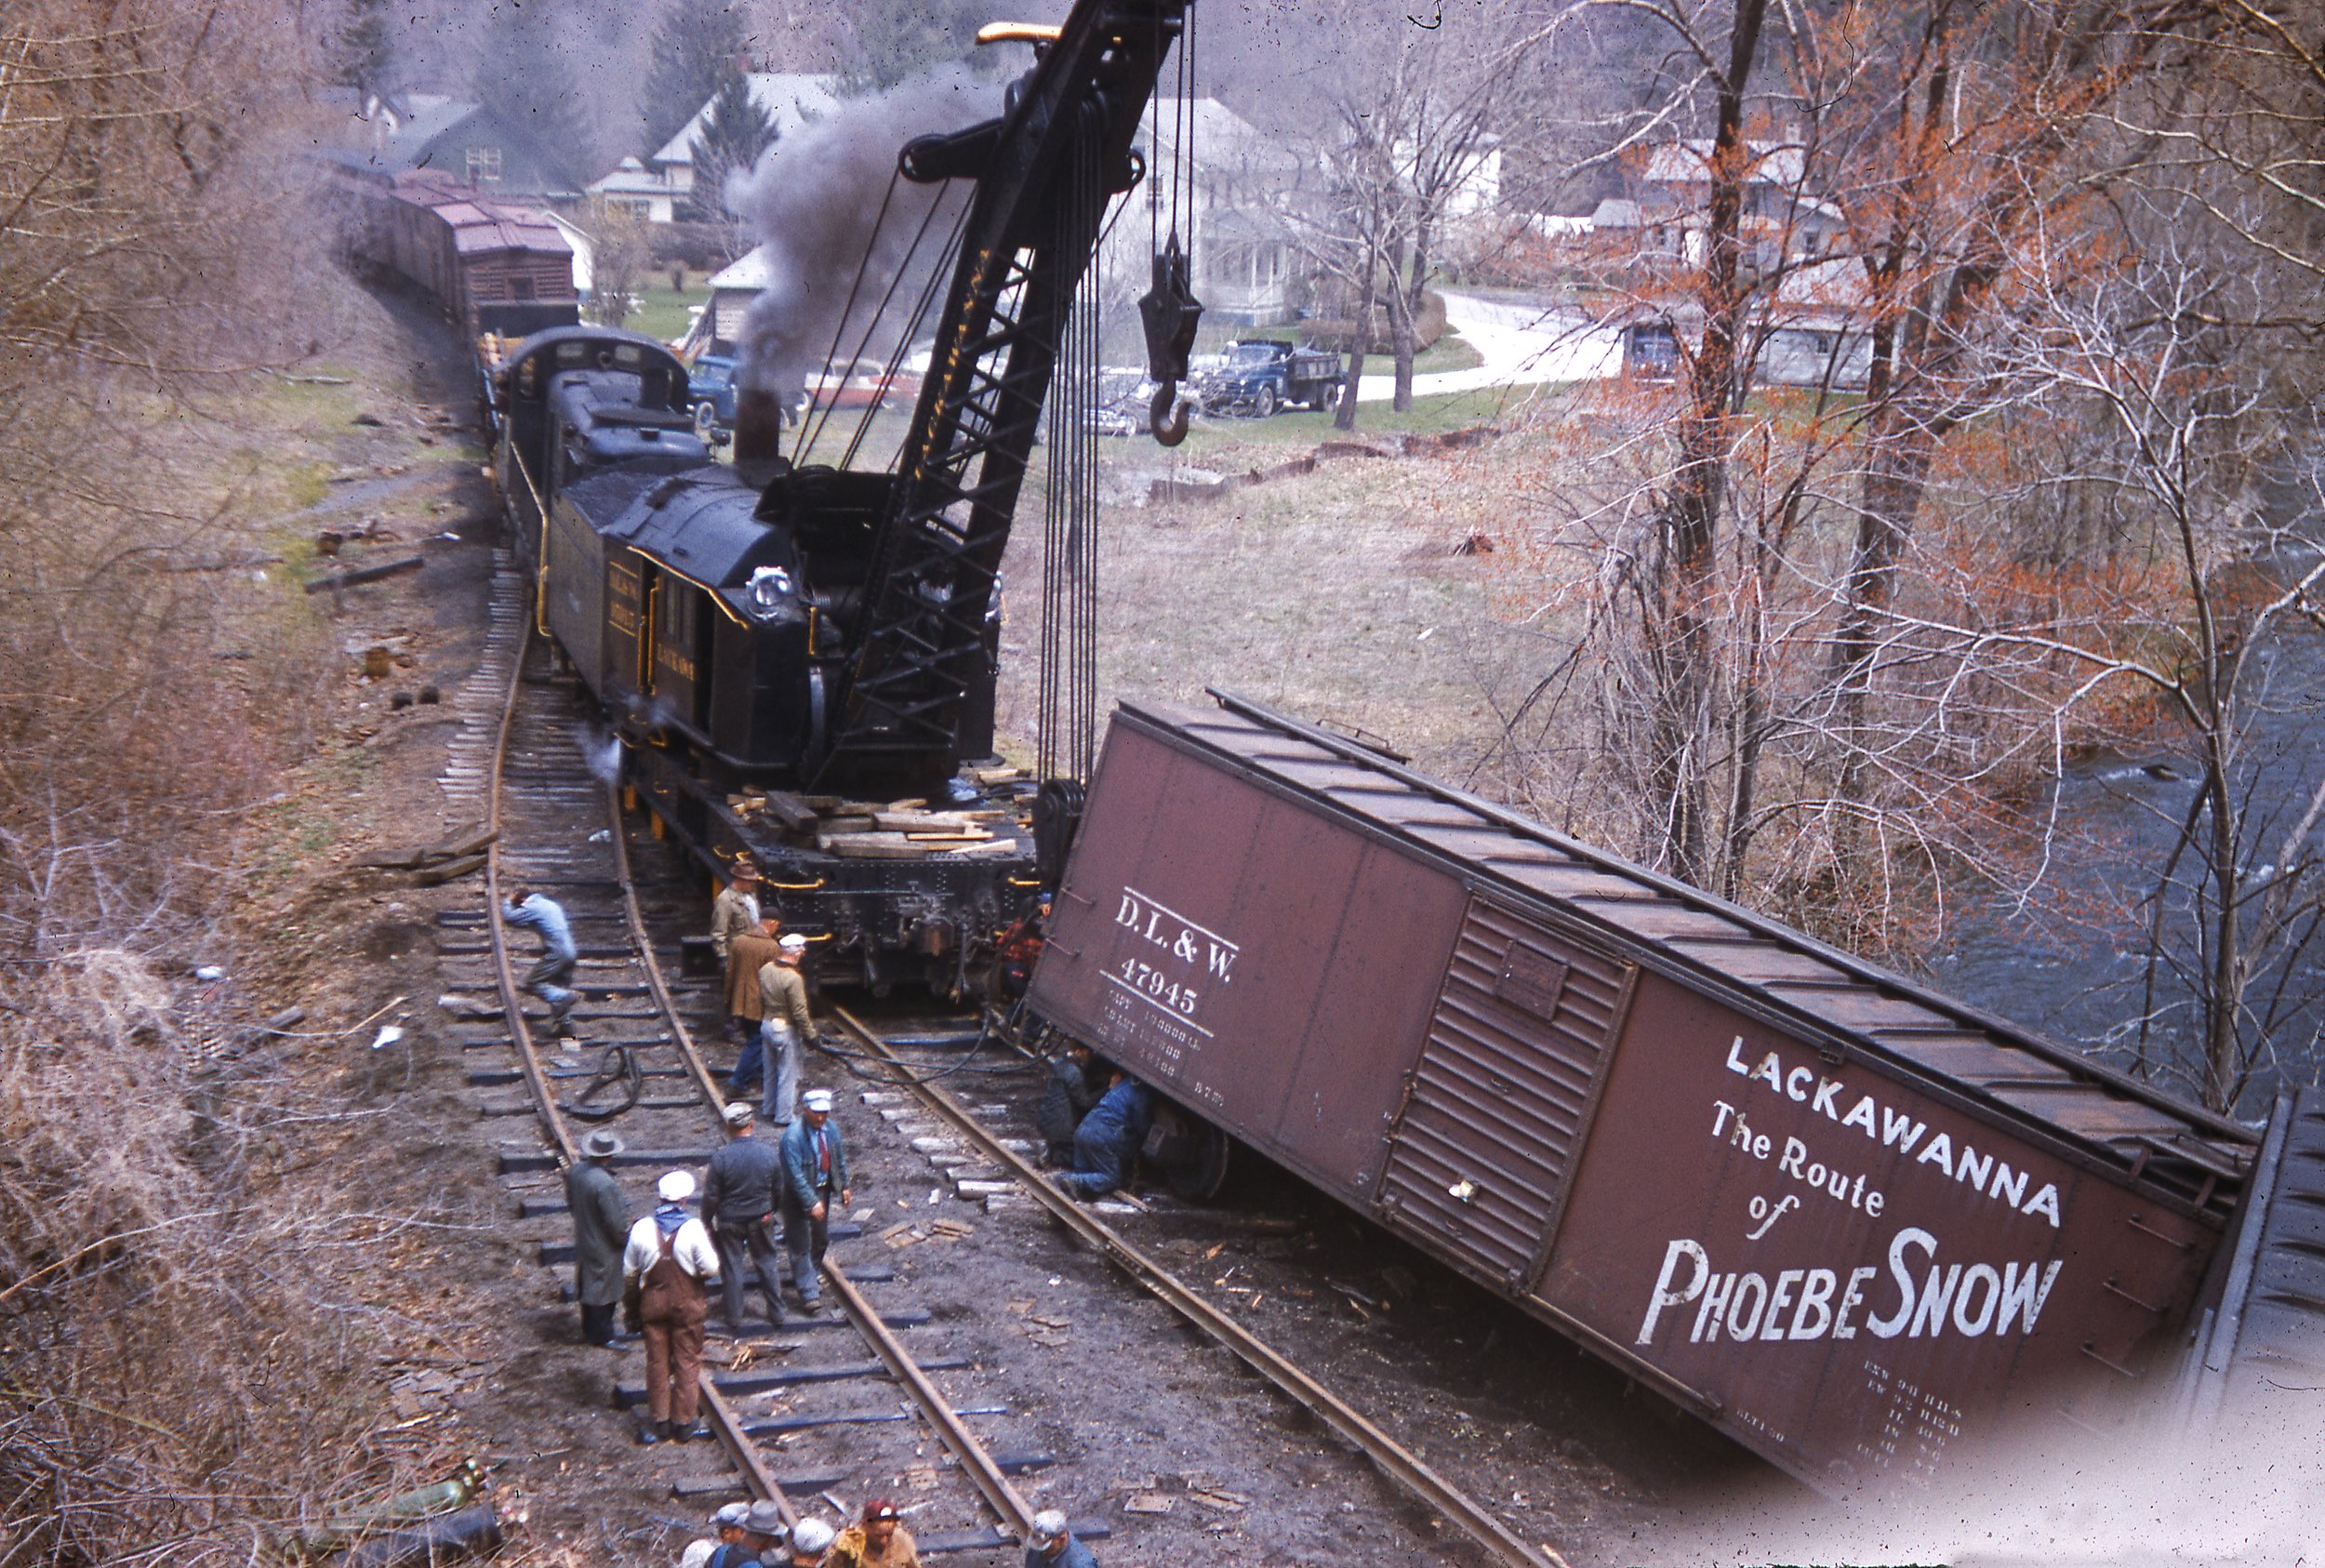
(1844, 1219)
(493, 265)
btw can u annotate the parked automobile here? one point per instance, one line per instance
(1258, 376)
(710, 390)
(1120, 407)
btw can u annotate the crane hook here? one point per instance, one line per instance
(1166, 416)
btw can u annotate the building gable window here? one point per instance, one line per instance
(483, 165)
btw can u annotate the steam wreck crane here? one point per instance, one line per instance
(1043, 174)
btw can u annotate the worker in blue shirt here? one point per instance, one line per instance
(541, 913)
(815, 1166)
(1048, 1544)
(1109, 1138)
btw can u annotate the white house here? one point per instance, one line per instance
(1243, 262)
(633, 189)
(657, 189)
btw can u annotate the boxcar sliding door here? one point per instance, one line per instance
(1495, 1107)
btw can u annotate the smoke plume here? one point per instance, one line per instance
(814, 199)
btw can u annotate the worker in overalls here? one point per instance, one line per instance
(669, 1268)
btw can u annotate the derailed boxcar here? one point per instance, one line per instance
(1846, 1220)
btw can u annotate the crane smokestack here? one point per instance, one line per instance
(758, 427)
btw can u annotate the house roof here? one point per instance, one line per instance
(1221, 136)
(749, 275)
(631, 179)
(1683, 163)
(419, 141)
(791, 97)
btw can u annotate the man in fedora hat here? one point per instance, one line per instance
(667, 1270)
(740, 1196)
(734, 912)
(751, 951)
(814, 1172)
(765, 1536)
(601, 1222)
(735, 909)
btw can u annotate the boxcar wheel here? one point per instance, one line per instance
(1201, 1169)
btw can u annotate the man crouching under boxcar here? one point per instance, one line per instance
(1066, 1099)
(1109, 1138)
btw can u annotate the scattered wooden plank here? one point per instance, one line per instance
(366, 574)
(790, 810)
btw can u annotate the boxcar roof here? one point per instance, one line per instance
(1697, 938)
(2271, 1320)
(481, 223)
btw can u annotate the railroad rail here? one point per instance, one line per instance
(702, 1106)
(1400, 1464)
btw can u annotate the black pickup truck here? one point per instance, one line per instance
(1260, 375)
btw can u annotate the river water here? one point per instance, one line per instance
(2074, 963)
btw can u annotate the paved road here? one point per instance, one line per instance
(1522, 345)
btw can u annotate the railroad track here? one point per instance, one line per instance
(995, 1152)
(557, 828)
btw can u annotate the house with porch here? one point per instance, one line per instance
(661, 189)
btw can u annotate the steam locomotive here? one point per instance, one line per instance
(711, 608)
(800, 659)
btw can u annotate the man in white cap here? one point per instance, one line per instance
(1048, 1544)
(740, 1198)
(601, 1226)
(784, 1028)
(815, 1171)
(810, 1539)
(669, 1266)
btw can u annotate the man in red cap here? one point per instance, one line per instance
(875, 1541)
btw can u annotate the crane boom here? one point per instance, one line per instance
(1042, 172)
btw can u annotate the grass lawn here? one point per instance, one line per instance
(1344, 594)
(1229, 442)
(662, 310)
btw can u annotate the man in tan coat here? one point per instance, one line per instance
(735, 909)
(750, 953)
(785, 1028)
(734, 912)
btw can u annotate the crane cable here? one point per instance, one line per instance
(1067, 706)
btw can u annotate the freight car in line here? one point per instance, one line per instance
(490, 265)
(1845, 1219)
